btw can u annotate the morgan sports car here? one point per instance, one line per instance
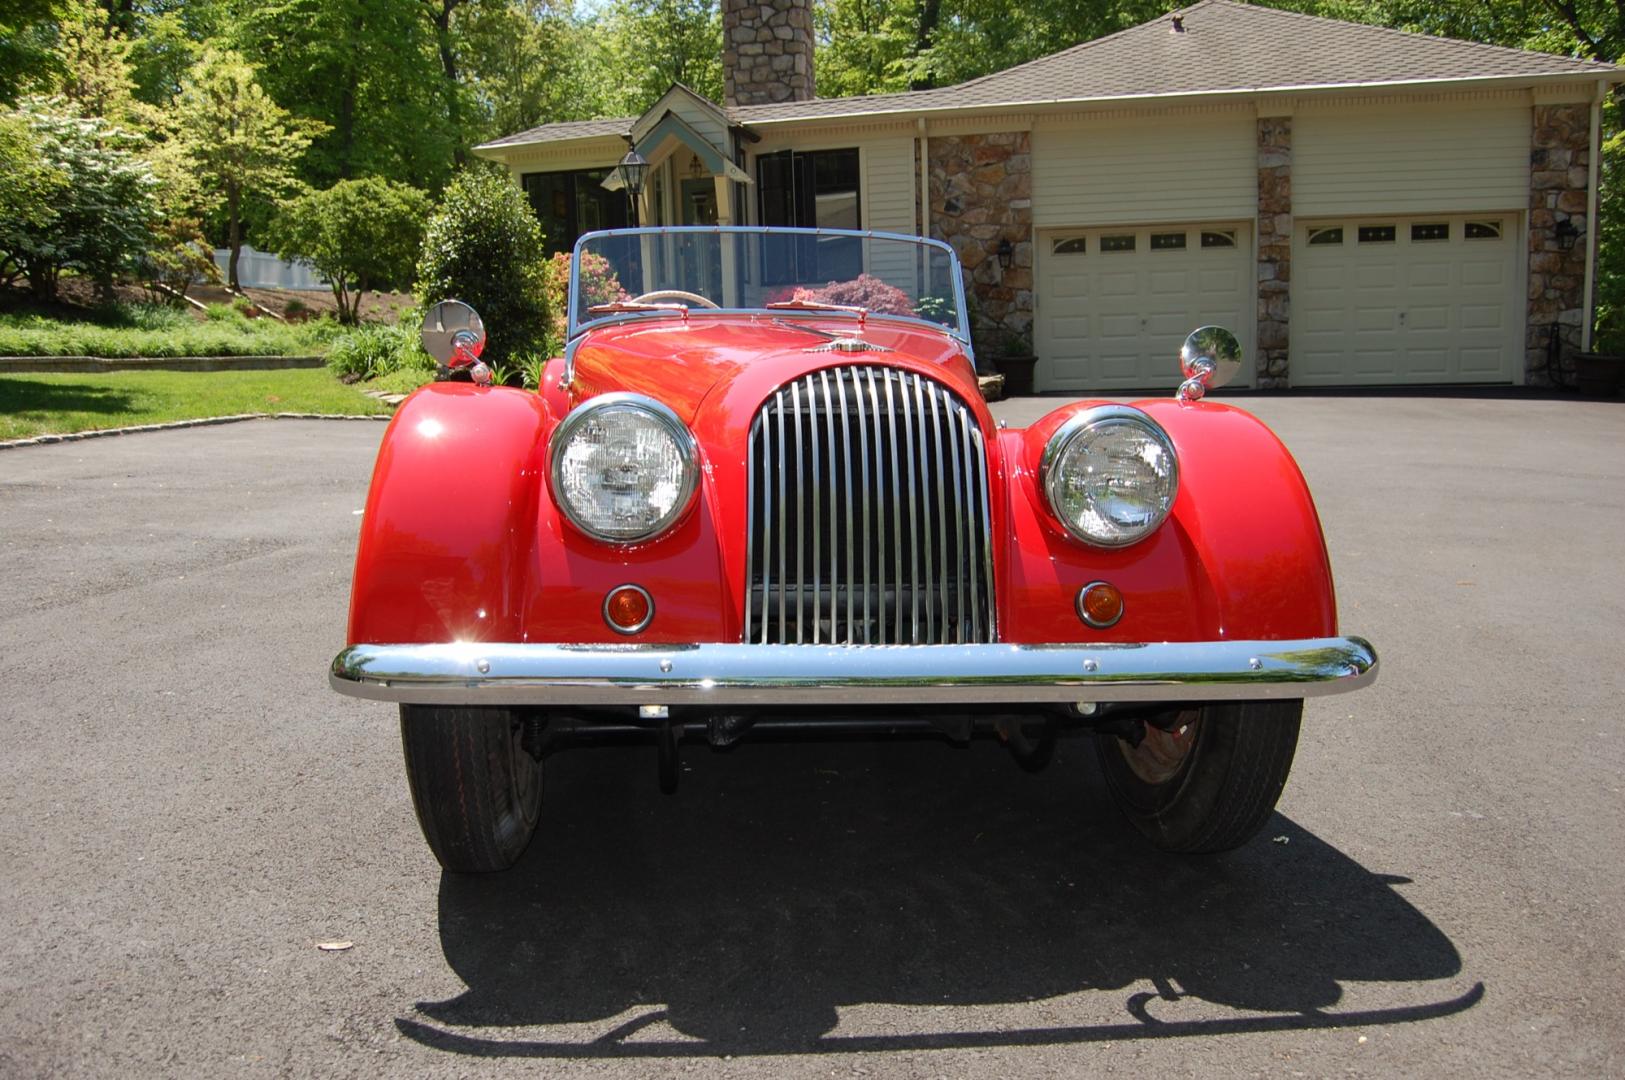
(761, 496)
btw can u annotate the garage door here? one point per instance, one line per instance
(1405, 300)
(1115, 304)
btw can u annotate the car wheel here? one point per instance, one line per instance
(1204, 779)
(477, 791)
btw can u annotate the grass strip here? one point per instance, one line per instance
(58, 404)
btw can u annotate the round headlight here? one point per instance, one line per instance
(624, 467)
(1110, 475)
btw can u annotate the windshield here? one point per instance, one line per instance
(628, 272)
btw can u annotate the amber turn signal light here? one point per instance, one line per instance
(1100, 604)
(628, 609)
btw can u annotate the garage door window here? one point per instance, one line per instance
(1168, 241)
(1377, 234)
(1483, 230)
(1117, 243)
(1225, 238)
(1426, 232)
(1326, 236)
(1077, 245)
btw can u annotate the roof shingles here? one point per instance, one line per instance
(1224, 47)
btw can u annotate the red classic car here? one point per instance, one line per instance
(761, 492)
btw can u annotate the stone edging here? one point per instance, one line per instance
(89, 365)
(209, 421)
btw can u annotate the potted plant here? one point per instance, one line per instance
(1013, 356)
(1598, 374)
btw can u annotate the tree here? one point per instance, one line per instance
(101, 198)
(673, 41)
(484, 246)
(240, 141)
(29, 190)
(26, 40)
(370, 71)
(358, 234)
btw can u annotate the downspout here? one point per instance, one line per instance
(925, 179)
(1593, 226)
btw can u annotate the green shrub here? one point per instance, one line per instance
(358, 234)
(483, 246)
(376, 349)
(153, 330)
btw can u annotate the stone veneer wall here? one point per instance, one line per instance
(1559, 174)
(1274, 248)
(767, 51)
(982, 194)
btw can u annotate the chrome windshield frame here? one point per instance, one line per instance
(574, 328)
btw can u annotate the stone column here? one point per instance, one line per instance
(767, 51)
(1274, 248)
(981, 196)
(1559, 172)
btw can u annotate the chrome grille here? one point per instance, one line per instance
(869, 515)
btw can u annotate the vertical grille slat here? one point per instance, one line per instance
(887, 474)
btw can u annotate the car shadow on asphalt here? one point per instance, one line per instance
(787, 881)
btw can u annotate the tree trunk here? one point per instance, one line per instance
(234, 232)
(441, 18)
(930, 16)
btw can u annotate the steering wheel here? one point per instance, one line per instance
(674, 294)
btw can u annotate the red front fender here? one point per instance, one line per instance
(1240, 557)
(446, 537)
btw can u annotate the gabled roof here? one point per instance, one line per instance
(1223, 47)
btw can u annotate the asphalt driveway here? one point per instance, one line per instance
(188, 811)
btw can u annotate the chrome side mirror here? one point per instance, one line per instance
(454, 334)
(1210, 357)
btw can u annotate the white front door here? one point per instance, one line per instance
(1383, 301)
(1115, 304)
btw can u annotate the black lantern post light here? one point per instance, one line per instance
(634, 170)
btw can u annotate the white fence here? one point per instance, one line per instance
(261, 270)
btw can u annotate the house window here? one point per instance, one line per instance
(815, 189)
(1426, 233)
(1377, 234)
(572, 203)
(1125, 242)
(1168, 241)
(1333, 235)
(1077, 245)
(1483, 230)
(1222, 238)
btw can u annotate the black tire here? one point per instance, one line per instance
(1214, 791)
(477, 792)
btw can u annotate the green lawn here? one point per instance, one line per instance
(58, 404)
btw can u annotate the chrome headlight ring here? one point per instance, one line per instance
(578, 500)
(1110, 475)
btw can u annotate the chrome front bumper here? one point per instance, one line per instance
(478, 673)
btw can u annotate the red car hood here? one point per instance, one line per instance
(742, 358)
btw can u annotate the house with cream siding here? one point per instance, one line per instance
(1364, 207)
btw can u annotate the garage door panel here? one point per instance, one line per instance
(1425, 361)
(1483, 317)
(1375, 320)
(1486, 362)
(1423, 275)
(1140, 303)
(1423, 319)
(1405, 311)
(1227, 282)
(1071, 286)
